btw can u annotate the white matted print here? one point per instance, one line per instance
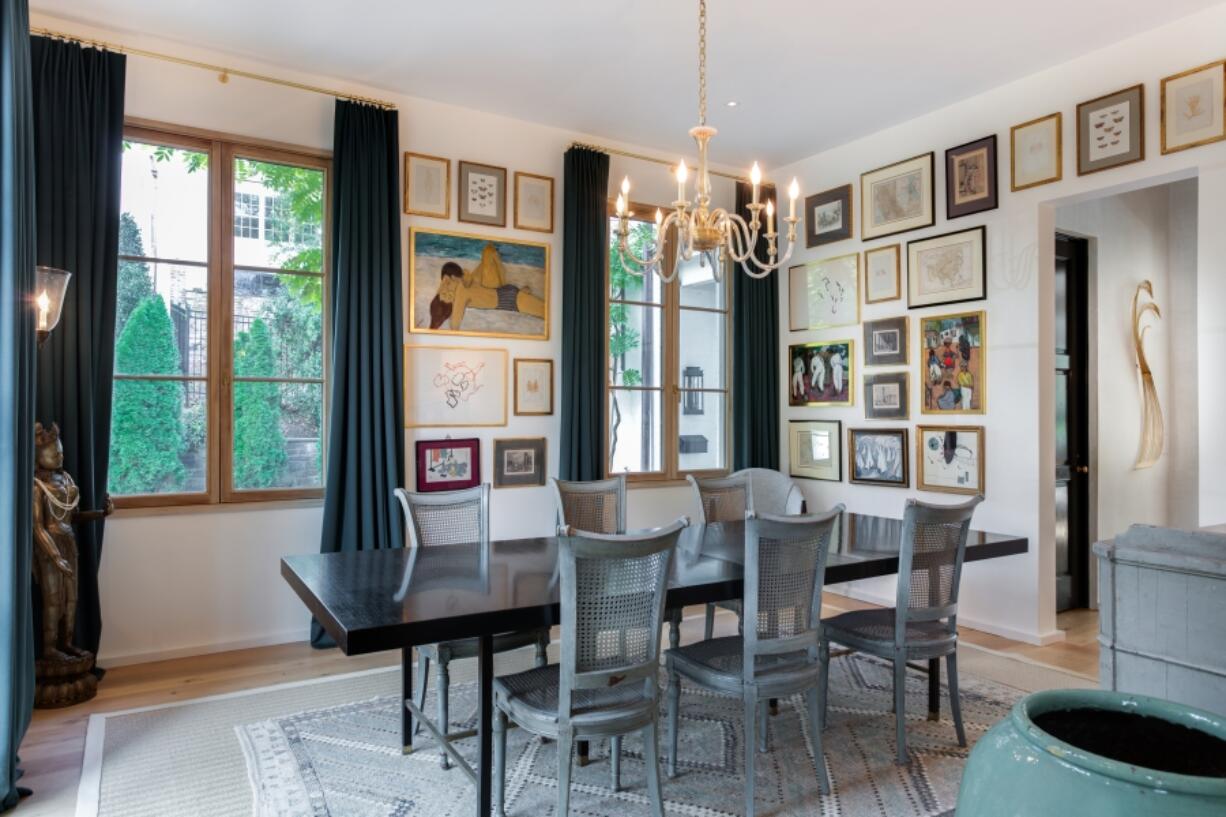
(533, 202)
(454, 386)
(951, 459)
(533, 386)
(825, 293)
(483, 194)
(883, 274)
(947, 268)
(1036, 152)
(815, 449)
(1194, 107)
(427, 185)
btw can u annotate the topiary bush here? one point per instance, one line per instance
(259, 444)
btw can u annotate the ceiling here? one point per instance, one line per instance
(807, 75)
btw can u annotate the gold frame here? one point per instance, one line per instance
(459, 202)
(812, 327)
(851, 457)
(446, 214)
(851, 373)
(865, 221)
(521, 174)
(868, 380)
(1140, 89)
(1013, 185)
(837, 436)
(515, 386)
(921, 361)
(1221, 64)
(496, 472)
(897, 248)
(921, 485)
(409, 347)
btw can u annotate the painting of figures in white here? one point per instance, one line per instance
(879, 457)
(825, 293)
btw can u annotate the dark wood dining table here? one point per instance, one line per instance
(395, 599)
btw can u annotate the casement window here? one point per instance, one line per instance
(219, 383)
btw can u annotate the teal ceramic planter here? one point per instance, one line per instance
(1018, 770)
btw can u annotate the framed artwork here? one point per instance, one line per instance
(533, 202)
(1111, 130)
(816, 449)
(427, 185)
(885, 342)
(883, 274)
(950, 459)
(970, 178)
(454, 386)
(886, 396)
(953, 363)
(464, 284)
(1194, 107)
(533, 386)
(947, 269)
(828, 216)
(1036, 152)
(878, 457)
(897, 198)
(448, 465)
(519, 463)
(483, 194)
(824, 294)
(822, 373)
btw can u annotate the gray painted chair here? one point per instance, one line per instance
(924, 622)
(455, 518)
(778, 653)
(723, 499)
(607, 683)
(598, 506)
(774, 493)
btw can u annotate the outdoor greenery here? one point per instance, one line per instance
(135, 283)
(623, 337)
(259, 444)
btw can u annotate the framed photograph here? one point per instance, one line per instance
(970, 178)
(878, 457)
(519, 463)
(886, 396)
(885, 342)
(947, 269)
(828, 216)
(533, 386)
(823, 294)
(950, 459)
(1036, 152)
(883, 274)
(482, 194)
(464, 284)
(427, 185)
(1111, 130)
(822, 373)
(816, 449)
(448, 465)
(953, 364)
(1194, 107)
(533, 202)
(897, 198)
(454, 386)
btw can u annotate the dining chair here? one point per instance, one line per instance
(607, 682)
(777, 653)
(454, 518)
(774, 493)
(722, 499)
(923, 624)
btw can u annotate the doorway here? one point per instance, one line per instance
(1072, 423)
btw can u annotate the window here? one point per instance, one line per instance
(219, 378)
(667, 365)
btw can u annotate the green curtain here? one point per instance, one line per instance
(366, 414)
(755, 356)
(78, 152)
(16, 390)
(585, 243)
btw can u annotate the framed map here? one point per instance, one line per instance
(897, 198)
(947, 269)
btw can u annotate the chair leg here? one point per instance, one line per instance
(500, 761)
(751, 719)
(709, 629)
(955, 705)
(814, 702)
(900, 707)
(651, 756)
(762, 718)
(441, 689)
(615, 763)
(423, 681)
(566, 740)
(674, 706)
(823, 682)
(674, 629)
(542, 650)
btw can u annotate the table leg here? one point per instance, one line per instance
(485, 712)
(582, 751)
(406, 693)
(934, 689)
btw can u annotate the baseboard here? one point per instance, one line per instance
(108, 659)
(1013, 634)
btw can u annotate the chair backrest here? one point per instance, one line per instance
(930, 562)
(723, 499)
(774, 494)
(447, 517)
(598, 506)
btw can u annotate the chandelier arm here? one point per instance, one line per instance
(623, 245)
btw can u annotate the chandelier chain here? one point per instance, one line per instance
(702, 62)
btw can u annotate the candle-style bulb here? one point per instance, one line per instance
(681, 173)
(755, 174)
(621, 205)
(793, 189)
(626, 186)
(770, 207)
(659, 217)
(44, 303)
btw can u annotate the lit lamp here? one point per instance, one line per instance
(50, 284)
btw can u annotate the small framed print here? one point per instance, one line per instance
(878, 457)
(886, 396)
(824, 294)
(533, 202)
(950, 459)
(885, 342)
(883, 274)
(954, 366)
(822, 373)
(947, 269)
(970, 178)
(483, 194)
(1111, 130)
(1036, 152)
(519, 463)
(448, 465)
(533, 387)
(897, 198)
(816, 449)
(1194, 107)
(828, 216)
(427, 185)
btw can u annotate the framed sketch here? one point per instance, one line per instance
(953, 363)
(454, 386)
(897, 198)
(519, 463)
(1194, 107)
(886, 396)
(1111, 130)
(883, 274)
(533, 202)
(885, 342)
(878, 457)
(950, 459)
(828, 216)
(448, 465)
(1036, 152)
(822, 373)
(816, 449)
(427, 185)
(824, 294)
(947, 269)
(464, 284)
(970, 178)
(483, 194)
(533, 386)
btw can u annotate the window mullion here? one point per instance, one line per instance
(224, 323)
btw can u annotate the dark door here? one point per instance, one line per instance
(1072, 424)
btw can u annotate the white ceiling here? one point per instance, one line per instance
(808, 74)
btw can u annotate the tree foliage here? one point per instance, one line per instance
(302, 189)
(624, 338)
(135, 283)
(259, 444)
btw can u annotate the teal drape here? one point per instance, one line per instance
(366, 412)
(755, 357)
(585, 243)
(16, 389)
(78, 152)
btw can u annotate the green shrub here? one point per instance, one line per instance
(259, 445)
(135, 283)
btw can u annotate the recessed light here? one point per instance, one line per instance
(732, 103)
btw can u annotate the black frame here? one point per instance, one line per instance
(536, 478)
(903, 357)
(983, 242)
(901, 433)
(903, 379)
(838, 433)
(841, 194)
(989, 202)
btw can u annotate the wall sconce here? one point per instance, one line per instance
(50, 284)
(691, 381)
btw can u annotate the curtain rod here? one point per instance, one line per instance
(645, 158)
(223, 73)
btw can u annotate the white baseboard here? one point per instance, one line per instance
(1013, 634)
(121, 659)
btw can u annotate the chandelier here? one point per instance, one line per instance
(700, 230)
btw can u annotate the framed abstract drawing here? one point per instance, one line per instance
(816, 449)
(1111, 130)
(533, 202)
(822, 373)
(519, 463)
(950, 459)
(897, 198)
(448, 465)
(828, 216)
(1194, 107)
(824, 294)
(970, 178)
(533, 386)
(953, 363)
(947, 269)
(427, 185)
(885, 342)
(878, 457)
(483, 194)
(883, 274)
(886, 396)
(448, 386)
(1036, 152)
